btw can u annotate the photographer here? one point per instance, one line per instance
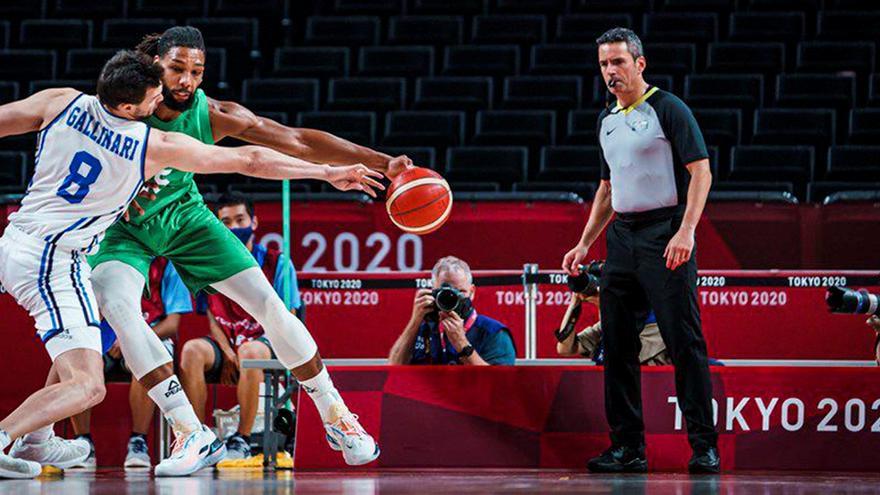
(445, 328)
(874, 322)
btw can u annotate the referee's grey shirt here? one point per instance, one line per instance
(644, 149)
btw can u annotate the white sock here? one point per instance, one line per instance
(40, 435)
(320, 388)
(4, 440)
(171, 399)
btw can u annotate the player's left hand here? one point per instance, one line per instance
(398, 165)
(355, 178)
(115, 351)
(679, 249)
(453, 325)
(148, 192)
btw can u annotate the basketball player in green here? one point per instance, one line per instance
(173, 221)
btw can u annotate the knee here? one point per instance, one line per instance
(92, 389)
(191, 359)
(253, 350)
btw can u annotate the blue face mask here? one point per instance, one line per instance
(244, 234)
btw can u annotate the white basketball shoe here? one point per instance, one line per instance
(191, 452)
(12, 468)
(345, 434)
(55, 451)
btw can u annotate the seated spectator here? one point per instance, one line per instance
(459, 336)
(166, 301)
(234, 334)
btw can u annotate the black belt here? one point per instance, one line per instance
(650, 216)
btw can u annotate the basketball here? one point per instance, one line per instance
(419, 201)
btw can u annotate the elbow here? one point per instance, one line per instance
(251, 162)
(562, 350)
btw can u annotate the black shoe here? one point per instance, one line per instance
(705, 462)
(237, 447)
(619, 459)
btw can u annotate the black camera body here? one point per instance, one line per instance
(848, 301)
(448, 298)
(586, 282)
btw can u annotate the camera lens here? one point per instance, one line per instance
(446, 299)
(844, 300)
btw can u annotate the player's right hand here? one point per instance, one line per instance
(423, 304)
(148, 192)
(398, 165)
(574, 258)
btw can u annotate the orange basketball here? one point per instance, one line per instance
(419, 201)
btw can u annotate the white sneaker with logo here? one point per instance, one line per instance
(12, 468)
(55, 451)
(345, 434)
(192, 452)
(138, 456)
(90, 464)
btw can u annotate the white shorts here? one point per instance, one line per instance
(53, 283)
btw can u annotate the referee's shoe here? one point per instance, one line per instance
(705, 462)
(620, 459)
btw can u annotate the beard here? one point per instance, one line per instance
(178, 106)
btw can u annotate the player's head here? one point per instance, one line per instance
(181, 53)
(131, 84)
(237, 213)
(621, 59)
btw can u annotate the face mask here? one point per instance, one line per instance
(244, 234)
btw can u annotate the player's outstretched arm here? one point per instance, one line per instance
(185, 153)
(34, 112)
(232, 119)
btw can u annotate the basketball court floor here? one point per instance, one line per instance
(118, 482)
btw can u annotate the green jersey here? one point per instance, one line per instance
(174, 184)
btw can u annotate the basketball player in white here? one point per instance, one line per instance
(93, 156)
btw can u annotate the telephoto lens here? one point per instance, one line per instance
(849, 301)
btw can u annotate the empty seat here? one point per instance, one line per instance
(611, 5)
(228, 32)
(358, 127)
(515, 127)
(167, 8)
(313, 61)
(666, 26)
(453, 93)
(8, 91)
(765, 163)
(472, 60)
(662, 81)
(22, 10)
(527, 6)
(766, 26)
(784, 5)
(27, 65)
(822, 192)
(724, 90)
(794, 126)
(569, 163)
(699, 5)
(426, 30)
(376, 94)
(863, 5)
(581, 127)
(422, 156)
(720, 126)
(585, 190)
(372, 7)
(819, 56)
(746, 57)
(291, 95)
(126, 33)
(396, 61)
(815, 90)
(522, 29)
(585, 28)
(458, 7)
(5, 30)
(342, 31)
(459, 187)
(86, 86)
(438, 128)
(557, 92)
(13, 171)
(273, 9)
(849, 25)
(671, 58)
(853, 163)
(864, 126)
(874, 90)
(215, 67)
(54, 33)
(505, 165)
(86, 62)
(563, 59)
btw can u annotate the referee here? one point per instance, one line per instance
(655, 178)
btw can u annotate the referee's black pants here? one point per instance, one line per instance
(634, 280)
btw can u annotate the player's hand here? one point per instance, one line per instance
(574, 258)
(679, 249)
(229, 371)
(355, 178)
(398, 165)
(423, 304)
(115, 351)
(148, 192)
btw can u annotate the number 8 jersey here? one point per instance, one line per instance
(89, 164)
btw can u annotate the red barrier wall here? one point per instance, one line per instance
(824, 419)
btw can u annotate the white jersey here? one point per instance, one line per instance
(89, 165)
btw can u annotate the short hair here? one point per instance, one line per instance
(177, 36)
(234, 199)
(628, 36)
(126, 77)
(450, 264)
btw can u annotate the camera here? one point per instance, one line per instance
(586, 282)
(447, 298)
(846, 300)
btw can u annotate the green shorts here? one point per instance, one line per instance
(203, 250)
